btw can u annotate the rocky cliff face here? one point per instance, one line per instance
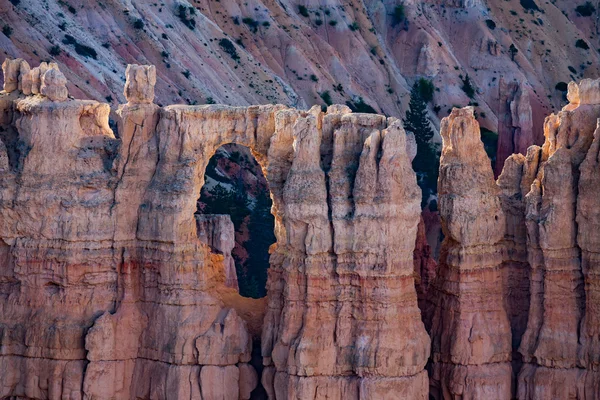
(112, 287)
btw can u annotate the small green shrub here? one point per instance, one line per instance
(333, 22)
(467, 86)
(186, 73)
(15, 2)
(314, 78)
(54, 50)
(80, 49)
(530, 5)
(585, 10)
(562, 86)
(7, 31)
(580, 43)
(182, 14)
(399, 15)
(490, 24)
(251, 23)
(302, 10)
(513, 51)
(353, 26)
(138, 24)
(326, 96)
(360, 106)
(229, 48)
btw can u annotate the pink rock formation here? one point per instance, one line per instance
(515, 122)
(471, 337)
(560, 346)
(113, 289)
(341, 298)
(514, 184)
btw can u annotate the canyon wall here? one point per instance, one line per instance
(112, 288)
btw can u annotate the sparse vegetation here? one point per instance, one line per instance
(186, 73)
(7, 31)
(530, 5)
(138, 24)
(182, 14)
(585, 10)
(251, 23)
(333, 22)
(580, 43)
(302, 10)
(326, 96)
(562, 86)
(426, 89)
(399, 14)
(490, 143)
(467, 86)
(353, 26)
(314, 78)
(490, 24)
(210, 100)
(426, 162)
(54, 50)
(360, 106)
(572, 69)
(80, 49)
(513, 51)
(229, 48)
(164, 54)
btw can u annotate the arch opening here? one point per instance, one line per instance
(234, 185)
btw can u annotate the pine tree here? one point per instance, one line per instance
(426, 163)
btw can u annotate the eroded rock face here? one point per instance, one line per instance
(560, 346)
(515, 122)
(139, 83)
(326, 321)
(112, 288)
(471, 336)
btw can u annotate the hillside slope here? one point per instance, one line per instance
(364, 53)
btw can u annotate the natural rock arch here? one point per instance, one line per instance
(141, 299)
(236, 202)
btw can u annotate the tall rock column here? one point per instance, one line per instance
(514, 185)
(343, 321)
(471, 336)
(560, 346)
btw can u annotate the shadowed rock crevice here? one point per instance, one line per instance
(235, 186)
